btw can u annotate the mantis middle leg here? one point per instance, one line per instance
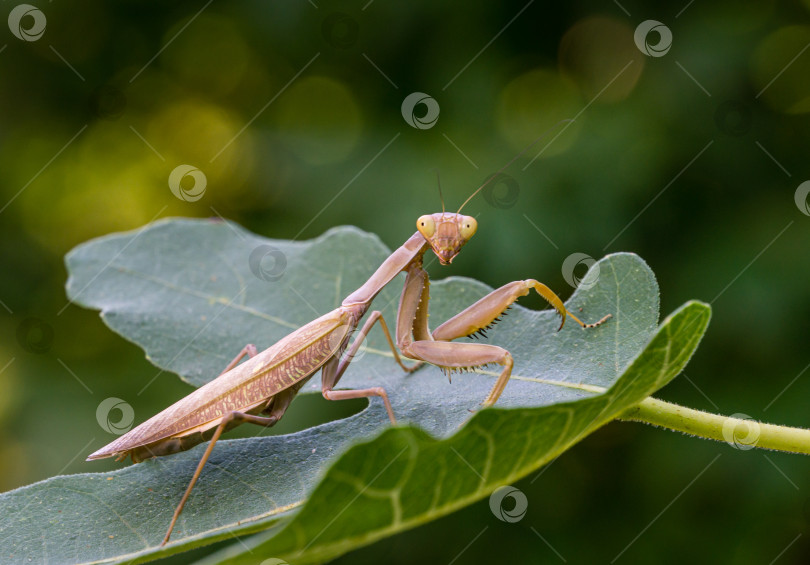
(335, 367)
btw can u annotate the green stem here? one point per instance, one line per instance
(740, 432)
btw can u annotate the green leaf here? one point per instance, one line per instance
(184, 290)
(405, 478)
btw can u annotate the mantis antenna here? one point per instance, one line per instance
(439, 182)
(515, 158)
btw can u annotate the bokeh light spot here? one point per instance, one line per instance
(534, 102)
(319, 119)
(594, 52)
(210, 55)
(780, 83)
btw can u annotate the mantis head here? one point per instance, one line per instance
(446, 233)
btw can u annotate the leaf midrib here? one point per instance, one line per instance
(228, 303)
(379, 352)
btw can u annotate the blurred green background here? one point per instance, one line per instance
(292, 110)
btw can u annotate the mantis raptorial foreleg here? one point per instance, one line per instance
(486, 311)
(464, 356)
(438, 350)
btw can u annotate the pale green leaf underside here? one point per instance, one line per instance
(184, 291)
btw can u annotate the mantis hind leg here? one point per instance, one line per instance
(276, 406)
(233, 418)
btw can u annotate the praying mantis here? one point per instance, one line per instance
(260, 389)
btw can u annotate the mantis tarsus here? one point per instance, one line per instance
(259, 390)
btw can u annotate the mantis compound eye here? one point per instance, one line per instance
(426, 226)
(467, 227)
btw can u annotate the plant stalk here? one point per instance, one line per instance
(739, 430)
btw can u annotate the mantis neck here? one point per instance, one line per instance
(398, 261)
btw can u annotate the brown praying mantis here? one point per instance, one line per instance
(260, 390)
